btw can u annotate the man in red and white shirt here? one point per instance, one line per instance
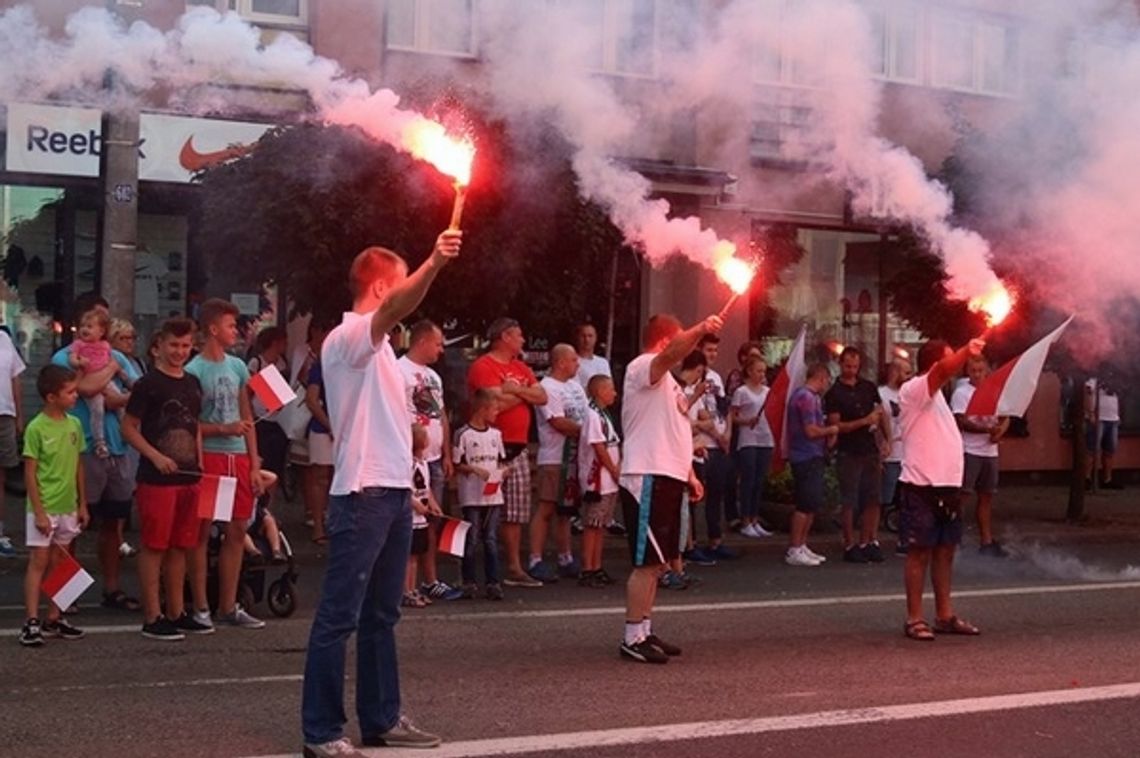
(656, 469)
(515, 385)
(370, 509)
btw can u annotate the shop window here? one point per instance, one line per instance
(444, 27)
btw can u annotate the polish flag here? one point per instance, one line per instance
(453, 536)
(272, 389)
(491, 486)
(216, 496)
(792, 376)
(1009, 390)
(66, 582)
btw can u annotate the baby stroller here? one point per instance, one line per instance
(281, 594)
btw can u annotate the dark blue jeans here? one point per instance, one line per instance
(753, 464)
(370, 536)
(484, 531)
(714, 474)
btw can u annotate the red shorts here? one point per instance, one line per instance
(236, 465)
(168, 515)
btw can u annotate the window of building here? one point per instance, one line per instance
(432, 26)
(895, 42)
(975, 55)
(782, 118)
(292, 13)
(625, 38)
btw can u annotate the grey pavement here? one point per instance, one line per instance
(762, 641)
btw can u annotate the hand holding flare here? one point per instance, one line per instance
(995, 305)
(429, 141)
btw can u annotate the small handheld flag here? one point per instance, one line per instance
(216, 496)
(791, 377)
(271, 389)
(66, 582)
(453, 537)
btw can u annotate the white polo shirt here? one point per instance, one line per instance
(371, 426)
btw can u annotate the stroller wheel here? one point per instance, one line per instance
(891, 519)
(282, 598)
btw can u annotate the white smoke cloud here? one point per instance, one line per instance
(1055, 173)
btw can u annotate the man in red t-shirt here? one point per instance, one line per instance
(501, 371)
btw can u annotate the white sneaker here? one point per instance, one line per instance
(747, 531)
(241, 618)
(813, 554)
(759, 531)
(341, 747)
(798, 556)
(203, 618)
(127, 550)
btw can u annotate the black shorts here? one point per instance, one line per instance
(419, 541)
(653, 519)
(929, 516)
(860, 480)
(807, 477)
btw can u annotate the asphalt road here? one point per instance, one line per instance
(777, 661)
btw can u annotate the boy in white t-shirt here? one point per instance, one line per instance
(480, 459)
(424, 505)
(599, 458)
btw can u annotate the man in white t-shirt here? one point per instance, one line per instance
(980, 437)
(930, 519)
(424, 392)
(11, 422)
(898, 372)
(589, 365)
(719, 468)
(370, 509)
(559, 427)
(1102, 420)
(656, 469)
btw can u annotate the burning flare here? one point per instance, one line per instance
(733, 271)
(429, 141)
(995, 304)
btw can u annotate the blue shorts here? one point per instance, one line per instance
(1108, 433)
(930, 516)
(809, 487)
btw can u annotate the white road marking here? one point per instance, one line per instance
(215, 682)
(743, 605)
(662, 733)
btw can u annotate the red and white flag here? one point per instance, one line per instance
(453, 536)
(216, 496)
(271, 389)
(792, 376)
(1009, 390)
(66, 582)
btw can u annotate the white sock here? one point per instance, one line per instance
(633, 633)
(565, 559)
(646, 627)
(534, 561)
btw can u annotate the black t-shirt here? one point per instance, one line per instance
(853, 402)
(167, 408)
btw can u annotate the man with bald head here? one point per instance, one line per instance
(559, 424)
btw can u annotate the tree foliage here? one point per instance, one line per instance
(309, 197)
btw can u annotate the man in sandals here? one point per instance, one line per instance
(931, 519)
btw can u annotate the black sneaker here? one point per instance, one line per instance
(642, 652)
(65, 631)
(586, 578)
(854, 554)
(665, 647)
(604, 578)
(615, 529)
(186, 623)
(494, 591)
(873, 552)
(162, 629)
(31, 635)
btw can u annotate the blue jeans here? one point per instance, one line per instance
(484, 530)
(714, 474)
(753, 464)
(438, 482)
(370, 536)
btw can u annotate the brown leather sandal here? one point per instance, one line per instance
(955, 625)
(918, 630)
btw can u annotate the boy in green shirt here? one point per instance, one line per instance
(57, 508)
